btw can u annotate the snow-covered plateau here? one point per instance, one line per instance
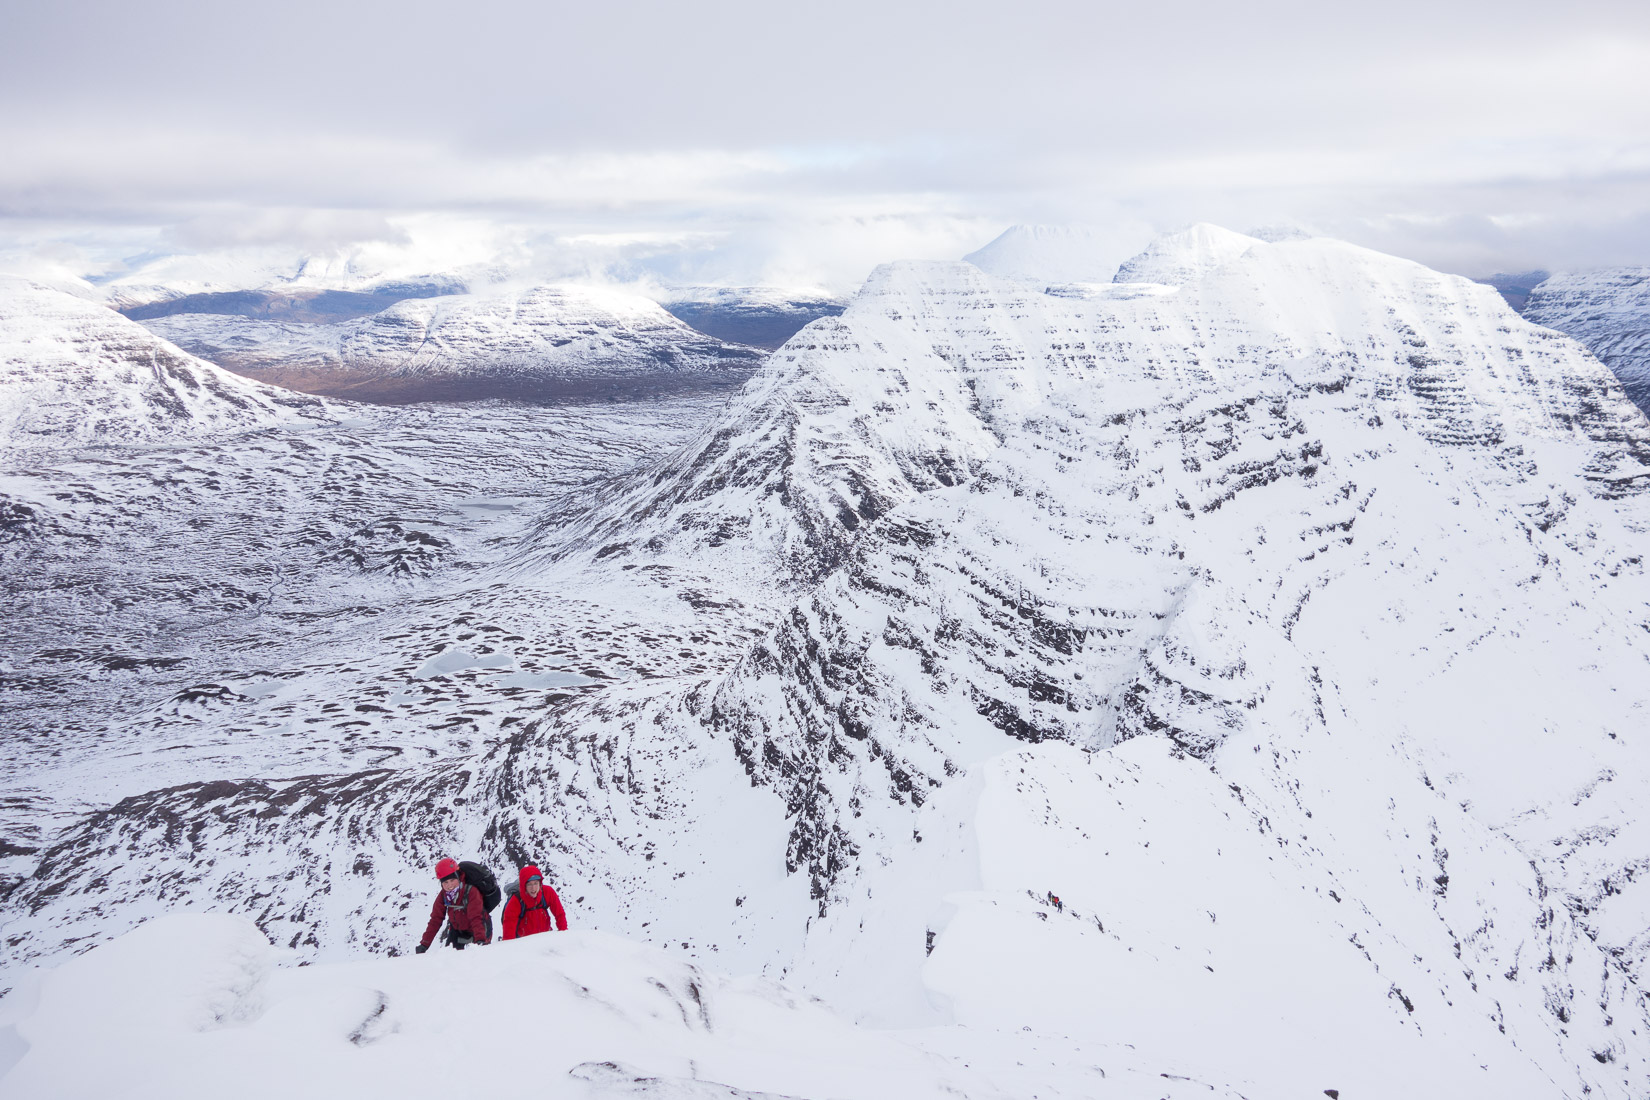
(1285, 618)
(1609, 312)
(546, 343)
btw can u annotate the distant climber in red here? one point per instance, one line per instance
(530, 910)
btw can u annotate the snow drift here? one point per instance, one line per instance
(194, 1005)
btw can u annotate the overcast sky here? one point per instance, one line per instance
(743, 142)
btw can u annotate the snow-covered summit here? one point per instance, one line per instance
(1184, 257)
(75, 372)
(1609, 312)
(538, 342)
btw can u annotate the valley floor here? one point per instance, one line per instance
(327, 600)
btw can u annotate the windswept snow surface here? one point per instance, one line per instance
(1609, 311)
(73, 372)
(1291, 627)
(548, 342)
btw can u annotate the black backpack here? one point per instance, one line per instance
(482, 879)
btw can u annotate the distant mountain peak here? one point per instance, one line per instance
(1176, 259)
(75, 372)
(1049, 254)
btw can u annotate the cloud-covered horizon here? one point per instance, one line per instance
(743, 142)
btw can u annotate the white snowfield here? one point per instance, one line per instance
(1292, 627)
(200, 1005)
(548, 331)
(73, 372)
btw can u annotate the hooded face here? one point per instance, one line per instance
(530, 879)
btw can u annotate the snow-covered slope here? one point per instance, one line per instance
(1292, 628)
(1609, 311)
(545, 342)
(189, 1002)
(73, 372)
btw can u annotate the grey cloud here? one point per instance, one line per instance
(306, 229)
(1451, 133)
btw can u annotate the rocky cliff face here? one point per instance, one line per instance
(545, 343)
(1609, 312)
(1290, 626)
(73, 372)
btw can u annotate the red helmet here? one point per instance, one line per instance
(448, 866)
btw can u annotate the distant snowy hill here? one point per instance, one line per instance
(1515, 286)
(75, 372)
(1291, 627)
(152, 282)
(545, 343)
(298, 306)
(1049, 254)
(763, 317)
(1609, 311)
(1074, 261)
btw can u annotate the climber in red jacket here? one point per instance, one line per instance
(460, 905)
(530, 911)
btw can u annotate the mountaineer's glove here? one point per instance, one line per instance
(421, 948)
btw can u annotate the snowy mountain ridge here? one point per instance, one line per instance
(1232, 616)
(547, 340)
(363, 268)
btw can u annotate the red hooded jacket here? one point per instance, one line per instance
(524, 916)
(467, 914)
